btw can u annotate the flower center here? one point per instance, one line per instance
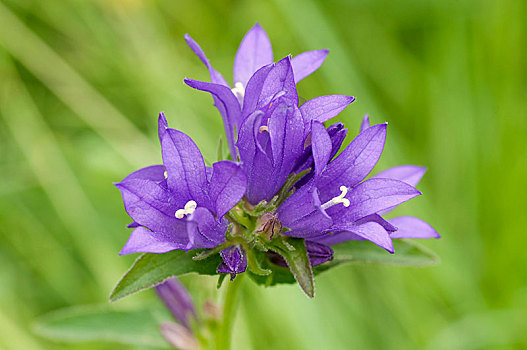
(189, 208)
(238, 90)
(337, 200)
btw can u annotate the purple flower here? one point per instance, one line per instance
(178, 300)
(286, 177)
(257, 81)
(336, 205)
(234, 261)
(180, 204)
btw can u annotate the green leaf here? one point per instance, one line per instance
(407, 253)
(151, 269)
(254, 263)
(99, 323)
(293, 250)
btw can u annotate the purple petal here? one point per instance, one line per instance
(234, 261)
(411, 174)
(286, 130)
(204, 231)
(411, 227)
(322, 146)
(144, 241)
(153, 206)
(153, 173)
(215, 76)
(379, 220)
(268, 157)
(337, 133)
(255, 51)
(372, 196)
(178, 300)
(303, 215)
(365, 124)
(226, 103)
(162, 125)
(323, 108)
(280, 80)
(227, 186)
(370, 231)
(318, 253)
(254, 90)
(186, 175)
(307, 62)
(254, 162)
(133, 224)
(354, 163)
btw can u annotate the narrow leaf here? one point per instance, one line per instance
(151, 269)
(255, 266)
(293, 250)
(407, 253)
(99, 323)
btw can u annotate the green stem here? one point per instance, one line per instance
(223, 337)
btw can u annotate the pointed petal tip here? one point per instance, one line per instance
(124, 251)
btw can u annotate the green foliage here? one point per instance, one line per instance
(407, 253)
(293, 250)
(96, 323)
(151, 269)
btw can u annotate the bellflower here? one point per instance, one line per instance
(287, 193)
(257, 81)
(180, 204)
(336, 205)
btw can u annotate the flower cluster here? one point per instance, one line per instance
(284, 177)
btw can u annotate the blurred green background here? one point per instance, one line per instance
(81, 83)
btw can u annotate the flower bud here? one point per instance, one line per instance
(179, 336)
(268, 225)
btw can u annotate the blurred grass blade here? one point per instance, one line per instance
(74, 90)
(98, 323)
(151, 269)
(40, 147)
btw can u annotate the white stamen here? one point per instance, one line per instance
(339, 199)
(264, 128)
(189, 208)
(238, 90)
(165, 174)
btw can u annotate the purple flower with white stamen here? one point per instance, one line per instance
(286, 197)
(257, 81)
(176, 205)
(336, 205)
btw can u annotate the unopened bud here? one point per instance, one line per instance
(268, 225)
(211, 310)
(179, 336)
